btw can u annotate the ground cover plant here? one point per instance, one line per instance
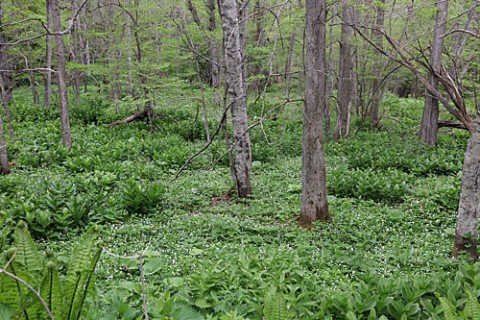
(187, 249)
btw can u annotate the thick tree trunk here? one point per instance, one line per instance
(4, 165)
(47, 92)
(61, 74)
(377, 86)
(314, 190)
(466, 233)
(234, 76)
(429, 127)
(345, 81)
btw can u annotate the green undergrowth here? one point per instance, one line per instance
(207, 255)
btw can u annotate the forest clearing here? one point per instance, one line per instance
(239, 160)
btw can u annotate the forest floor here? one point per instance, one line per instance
(207, 255)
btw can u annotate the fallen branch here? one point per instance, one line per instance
(140, 115)
(451, 124)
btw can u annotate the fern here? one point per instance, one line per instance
(448, 309)
(9, 288)
(275, 306)
(472, 307)
(27, 252)
(83, 261)
(26, 264)
(51, 290)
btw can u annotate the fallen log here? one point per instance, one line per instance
(139, 115)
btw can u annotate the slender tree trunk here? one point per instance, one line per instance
(242, 34)
(234, 76)
(314, 190)
(330, 84)
(128, 31)
(345, 81)
(215, 60)
(31, 74)
(4, 165)
(377, 86)
(61, 74)
(86, 51)
(466, 232)
(429, 126)
(47, 92)
(288, 65)
(76, 54)
(6, 82)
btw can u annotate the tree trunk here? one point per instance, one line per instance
(31, 74)
(61, 74)
(466, 233)
(429, 126)
(314, 190)
(5, 81)
(47, 92)
(377, 86)
(345, 81)
(234, 77)
(288, 65)
(215, 61)
(75, 45)
(4, 165)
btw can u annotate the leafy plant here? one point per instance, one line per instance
(27, 269)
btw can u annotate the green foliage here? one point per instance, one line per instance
(142, 199)
(384, 256)
(274, 307)
(65, 298)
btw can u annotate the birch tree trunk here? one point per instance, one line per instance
(235, 82)
(314, 190)
(429, 126)
(345, 81)
(466, 232)
(61, 74)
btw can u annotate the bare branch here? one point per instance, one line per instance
(471, 33)
(35, 292)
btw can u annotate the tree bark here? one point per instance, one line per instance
(47, 92)
(345, 81)
(61, 74)
(429, 127)
(212, 26)
(466, 232)
(314, 190)
(5, 81)
(31, 74)
(377, 85)
(234, 77)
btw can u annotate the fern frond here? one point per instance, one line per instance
(275, 307)
(472, 307)
(448, 309)
(9, 288)
(51, 291)
(27, 252)
(80, 273)
(89, 280)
